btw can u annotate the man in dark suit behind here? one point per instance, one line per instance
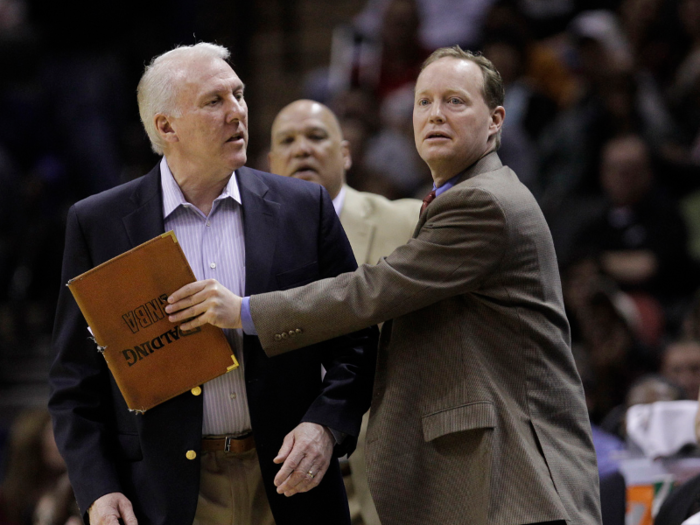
(478, 414)
(209, 456)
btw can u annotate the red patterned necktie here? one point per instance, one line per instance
(427, 200)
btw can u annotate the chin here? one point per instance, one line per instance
(307, 178)
(238, 161)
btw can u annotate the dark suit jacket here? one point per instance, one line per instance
(292, 237)
(478, 414)
(681, 504)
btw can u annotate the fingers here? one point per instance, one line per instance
(108, 509)
(185, 292)
(186, 302)
(126, 510)
(204, 302)
(294, 478)
(286, 448)
(307, 461)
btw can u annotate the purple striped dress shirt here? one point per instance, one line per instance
(215, 248)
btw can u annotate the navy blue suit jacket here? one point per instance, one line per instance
(292, 237)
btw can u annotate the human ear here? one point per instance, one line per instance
(497, 117)
(165, 128)
(347, 158)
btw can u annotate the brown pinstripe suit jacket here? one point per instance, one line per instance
(478, 415)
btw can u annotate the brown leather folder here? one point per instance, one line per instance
(123, 301)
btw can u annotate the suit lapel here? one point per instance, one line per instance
(146, 221)
(359, 230)
(489, 162)
(259, 222)
(260, 215)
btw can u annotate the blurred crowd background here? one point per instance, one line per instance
(603, 125)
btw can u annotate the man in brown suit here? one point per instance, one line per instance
(478, 415)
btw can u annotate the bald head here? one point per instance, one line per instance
(307, 143)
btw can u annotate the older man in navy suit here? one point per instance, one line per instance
(211, 455)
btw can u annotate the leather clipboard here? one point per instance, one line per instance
(123, 301)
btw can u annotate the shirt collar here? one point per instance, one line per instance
(447, 185)
(173, 196)
(488, 162)
(339, 200)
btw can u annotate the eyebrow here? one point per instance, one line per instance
(216, 91)
(285, 132)
(450, 91)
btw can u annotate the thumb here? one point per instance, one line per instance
(287, 446)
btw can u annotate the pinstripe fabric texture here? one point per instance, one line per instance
(215, 248)
(478, 415)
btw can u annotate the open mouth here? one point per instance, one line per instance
(302, 171)
(238, 136)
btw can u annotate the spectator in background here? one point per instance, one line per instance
(640, 237)
(393, 59)
(307, 143)
(545, 67)
(690, 328)
(680, 364)
(529, 111)
(647, 389)
(392, 163)
(357, 112)
(443, 22)
(569, 146)
(34, 473)
(614, 100)
(652, 388)
(605, 337)
(684, 91)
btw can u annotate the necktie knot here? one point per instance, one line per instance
(427, 200)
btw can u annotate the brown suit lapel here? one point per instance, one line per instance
(489, 162)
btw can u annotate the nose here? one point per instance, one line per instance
(436, 114)
(236, 109)
(301, 147)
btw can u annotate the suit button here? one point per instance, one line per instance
(191, 454)
(292, 333)
(196, 390)
(299, 331)
(284, 335)
(278, 337)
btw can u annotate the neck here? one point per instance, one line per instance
(441, 174)
(199, 186)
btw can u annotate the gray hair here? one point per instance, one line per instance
(158, 88)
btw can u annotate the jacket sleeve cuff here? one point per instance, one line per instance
(246, 318)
